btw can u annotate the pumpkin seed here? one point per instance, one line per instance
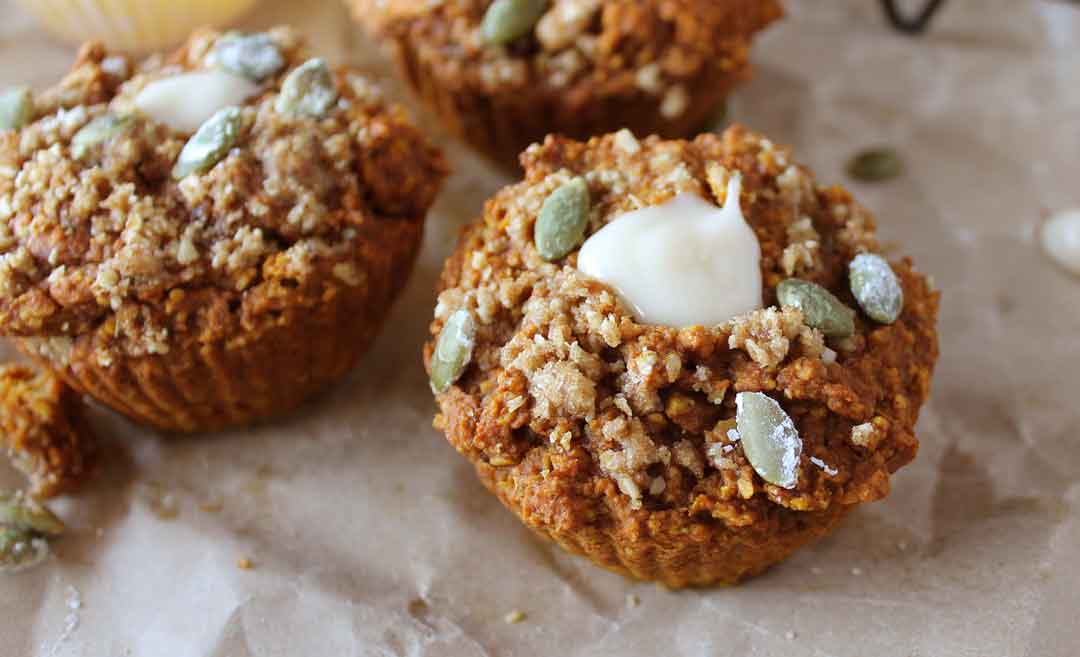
(20, 550)
(16, 108)
(254, 56)
(560, 228)
(210, 144)
(820, 309)
(509, 20)
(769, 438)
(96, 133)
(876, 287)
(453, 350)
(876, 165)
(309, 90)
(18, 511)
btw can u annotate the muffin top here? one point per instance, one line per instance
(559, 375)
(582, 47)
(200, 192)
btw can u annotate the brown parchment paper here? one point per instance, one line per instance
(370, 536)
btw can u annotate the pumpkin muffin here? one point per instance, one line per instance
(207, 238)
(504, 74)
(692, 454)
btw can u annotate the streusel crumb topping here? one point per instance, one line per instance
(655, 48)
(112, 237)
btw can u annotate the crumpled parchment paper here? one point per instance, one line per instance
(368, 535)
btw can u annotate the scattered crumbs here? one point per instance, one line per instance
(245, 564)
(514, 617)
(789, 635)
(856, 571)
(829, 470)
(632, 600)
(211, 506)
(417, 607)
(902, 546)
(161, 502)
(814, 570)
(74, 600)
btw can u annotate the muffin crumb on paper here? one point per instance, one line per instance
(45, 431)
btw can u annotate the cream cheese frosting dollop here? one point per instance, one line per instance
(683, 263)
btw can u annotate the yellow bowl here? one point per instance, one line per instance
(133, 25)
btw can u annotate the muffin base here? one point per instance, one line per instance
(237, 379)
(670, 547)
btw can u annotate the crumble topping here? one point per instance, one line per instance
(766, 334)
(800, 257)
(608, 44)
(104, 238)
(868, 434)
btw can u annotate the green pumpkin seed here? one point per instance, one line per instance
(16, 108)
(254, 56)
(769, 438)
(876, 287)
(453, 350)
(560, 228)
(20, 512)
(210, 144)
(509, 20)
(875, 165)
(20, 550)
(96, 133)
(820, 309)
(309, 90)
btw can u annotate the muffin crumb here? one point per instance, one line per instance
(45, 430)
(766, 334)
(867, 435)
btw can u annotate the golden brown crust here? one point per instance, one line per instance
(123, 279)
(656, 67)
(45, 430)
(612, 437)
